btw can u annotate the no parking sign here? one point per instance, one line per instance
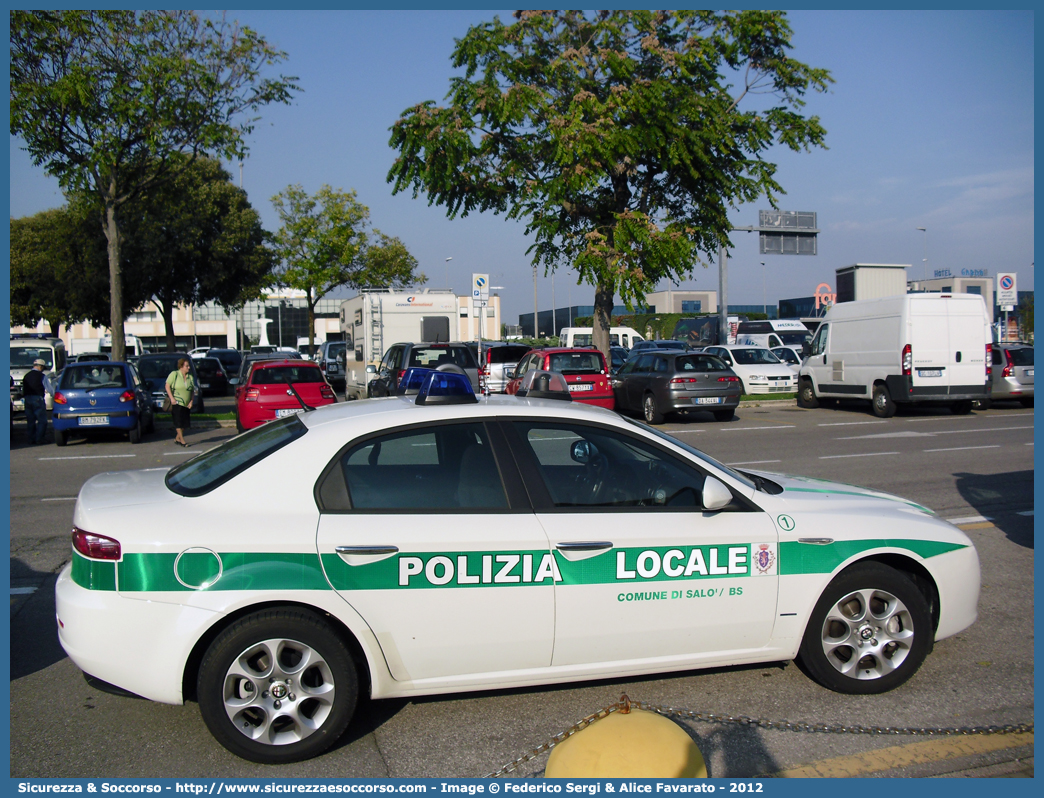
(1007, 294)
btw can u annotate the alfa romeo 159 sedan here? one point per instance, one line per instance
(436, 543)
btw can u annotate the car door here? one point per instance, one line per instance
(428, 534)
(816, 363)
(639, 381)
(646, 573)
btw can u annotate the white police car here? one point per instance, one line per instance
(435, 543)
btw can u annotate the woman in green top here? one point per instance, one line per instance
(181, 391)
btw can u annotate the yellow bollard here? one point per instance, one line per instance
(629, 743)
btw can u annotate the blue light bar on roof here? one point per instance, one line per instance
(446, 388)
(411, 380)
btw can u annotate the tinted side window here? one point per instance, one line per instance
(448, 467)
(819, 344)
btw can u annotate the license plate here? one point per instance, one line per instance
(94, 421)
(707, 400)
(1029, 372)
(929, 372)
(581, 386)
(291, 411)
(204, 385)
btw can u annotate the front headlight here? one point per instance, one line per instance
(755, 377)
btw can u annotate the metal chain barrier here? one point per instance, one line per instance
(625, 705)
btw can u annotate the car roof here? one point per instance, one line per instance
(285, 361)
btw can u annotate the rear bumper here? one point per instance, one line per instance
(902, 390)
(124, 420)
(681, 402)
(1010, 388)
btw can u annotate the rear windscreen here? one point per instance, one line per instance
(1021, 357)
(277, 375)
(93, 375)
(207, 368)
(576, 362)
(430, 357)
(699, 363)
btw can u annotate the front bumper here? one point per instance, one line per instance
(774, 386)
(140, 646)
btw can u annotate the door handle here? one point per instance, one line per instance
(374, 550)
(584, 545)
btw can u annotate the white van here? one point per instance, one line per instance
(924, 348)
(27, 347)
(133, 347)
(773, 333)
(584, 336)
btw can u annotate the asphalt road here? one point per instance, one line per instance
(976, 470)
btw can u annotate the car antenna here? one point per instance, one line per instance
(286, 379)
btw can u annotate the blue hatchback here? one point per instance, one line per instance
(101, 396)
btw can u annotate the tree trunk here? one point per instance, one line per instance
(167, 308)
(311, 324)
(56, 327)
(603, 317)
(112, 236)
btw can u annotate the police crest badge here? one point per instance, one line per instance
(763, 558)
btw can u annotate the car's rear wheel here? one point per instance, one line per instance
(882, 402)
(807, 395)
(869, 632)
(135, 432)
(961, 408)
(277, 686)
(61, 437)
(724, 415)
(981, 404)
(651, 412)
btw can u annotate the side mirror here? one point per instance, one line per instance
(509, 374)
(371, 369)
(715, 495)
(806, 349)
(584, 452)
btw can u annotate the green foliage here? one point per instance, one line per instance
(616, 135)
(107, 100)
(1025, 311)
(326, 241)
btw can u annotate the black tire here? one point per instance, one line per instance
(61, 437)
(724, 415)
(882, 403)
(650, 411)
(981, 404)
(841, 630)
(961, 408)
(270, 642)
(807, 395)
(1027, 402)
(135, 432)
(152, 423)
(240, 429)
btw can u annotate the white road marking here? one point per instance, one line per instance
(1025, 512)
(1028, 444)
(909, 433)
(89, 457)
(868, 454)
(969, 519)
(754, 462)
(744, 429)
(982, 429)
(22, 591)
(176, 454)
(677, 431)
(850, 423)
(60, 499)
(963, 448)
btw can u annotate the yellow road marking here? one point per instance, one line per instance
(983, 525)
(905, 755)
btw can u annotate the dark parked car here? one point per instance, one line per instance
(86, 356)
(402, 356)
(645, 346)
(617, 357)
(155, 367)
(230, 360)
(661, 382)
(100, 396)
(213, 380)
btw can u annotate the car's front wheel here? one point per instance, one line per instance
(277, 686)
(869, 632)
(651, 412)
(807, 395)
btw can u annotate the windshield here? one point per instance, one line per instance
(794, 338)
(706, 458)
(93, 375)
(786, 355)
(753, 357)
(206, 471)
(22, 357)
(576, 362)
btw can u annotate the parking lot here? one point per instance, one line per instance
(976, 470)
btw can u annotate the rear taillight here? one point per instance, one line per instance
(728, 379)
(59, 398)
(682, 380)
(322, 365)
(989, 360)
(1008, 365)
(251, 395)
(907, 361)
(220, 373)
(127, 396)
(326, 392)
(97, 547)
(398, 377)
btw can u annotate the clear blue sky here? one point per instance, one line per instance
(929, 124)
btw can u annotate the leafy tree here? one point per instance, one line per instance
(194, 239)
(326, 242)
(618, 136)
(58, 269)
(105, 100)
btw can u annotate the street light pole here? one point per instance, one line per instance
(447, 273)
(925, 231)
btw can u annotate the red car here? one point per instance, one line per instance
(584, 370)
(266, 393)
